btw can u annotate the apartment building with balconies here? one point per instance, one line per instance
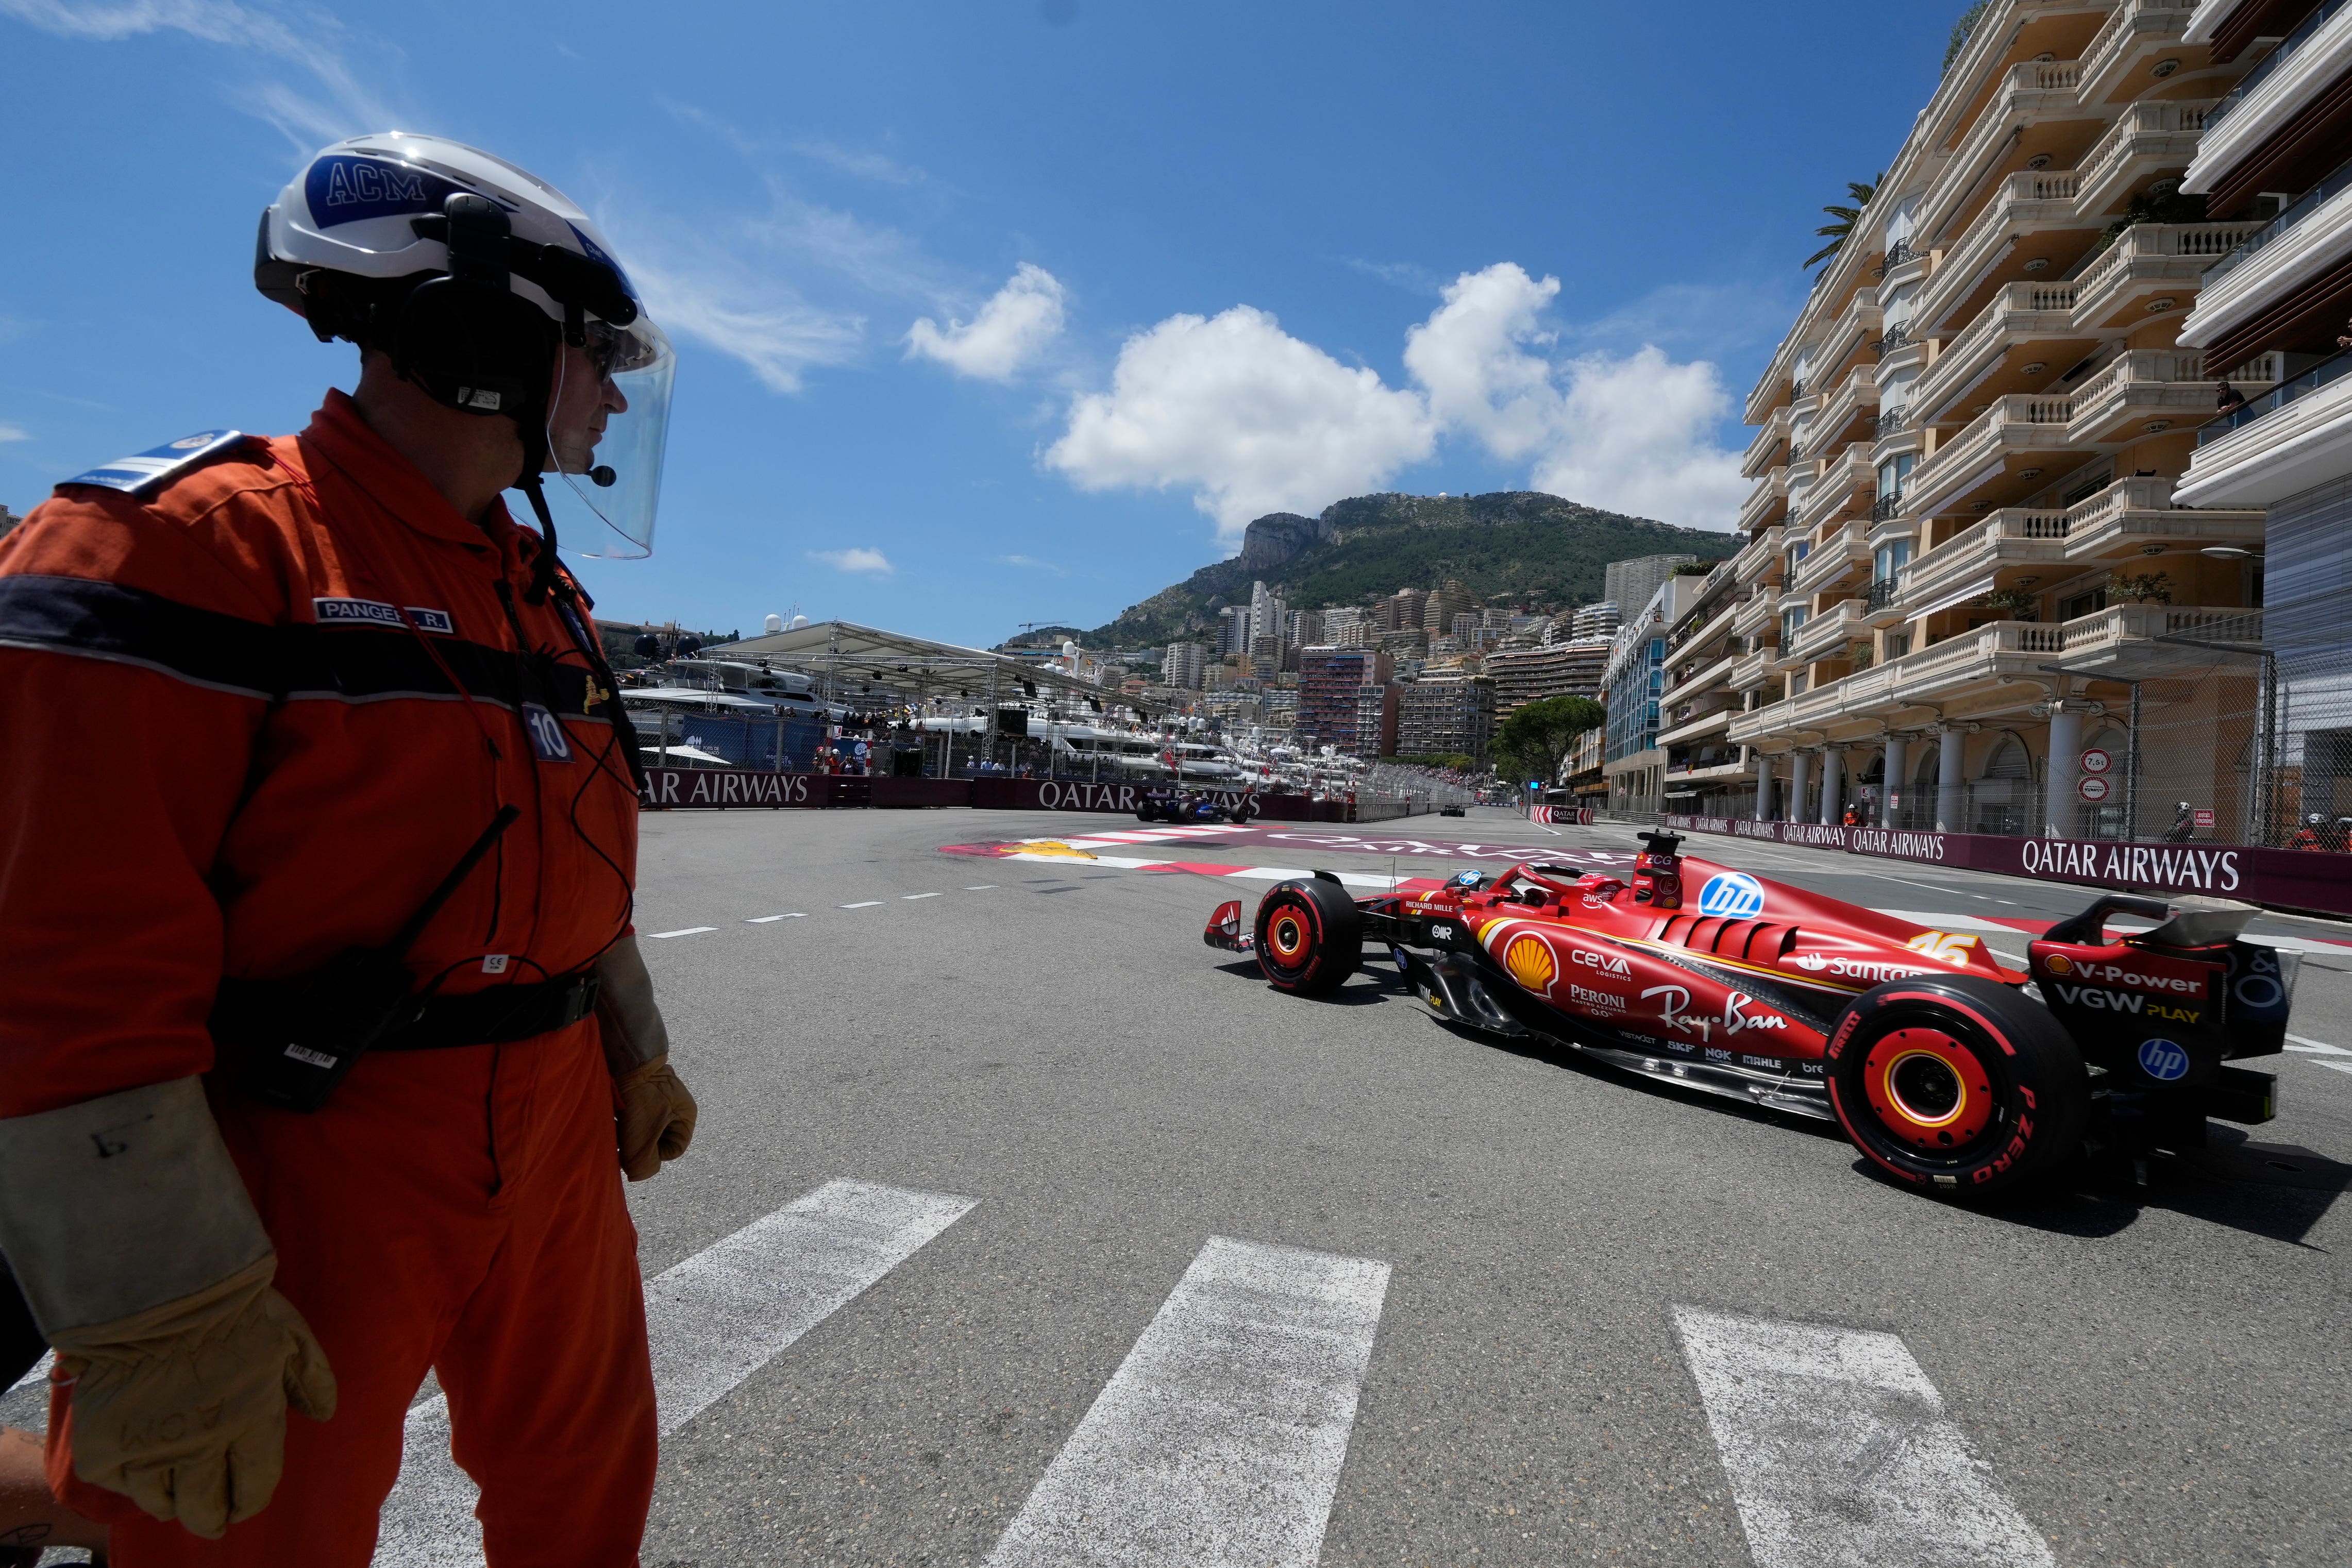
(1967, 457)
(2278, 151)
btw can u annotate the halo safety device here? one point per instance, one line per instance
(473, 274)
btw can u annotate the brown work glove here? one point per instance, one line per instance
(653, 1114)
(183, 1407)
(147, 1268)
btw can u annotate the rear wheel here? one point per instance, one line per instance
(1311, 936)
(1956, 1084)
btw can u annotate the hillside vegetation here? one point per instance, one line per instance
(1551, 552)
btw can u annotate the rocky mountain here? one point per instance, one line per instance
(1538, 548)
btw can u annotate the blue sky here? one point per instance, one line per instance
(996, 310)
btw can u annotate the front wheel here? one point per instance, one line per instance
(1311, 936)
(1956, 1084)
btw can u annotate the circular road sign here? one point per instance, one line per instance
(2097, 761)
(2093, 788)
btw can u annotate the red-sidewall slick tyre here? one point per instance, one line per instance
(1957, 1084)
(1311, 936)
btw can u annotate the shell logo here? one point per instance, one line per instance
(1529, 959)
(2058, 964)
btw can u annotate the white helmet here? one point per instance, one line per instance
(468, 272)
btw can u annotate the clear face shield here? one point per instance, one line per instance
(608, 419)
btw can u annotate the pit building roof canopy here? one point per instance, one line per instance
(852, 663)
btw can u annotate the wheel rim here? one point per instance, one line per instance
(1287, 936)
(1928, 1089)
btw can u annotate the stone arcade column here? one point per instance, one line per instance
(1832, 786)
(2061, 811)
(1763, 787)
(1951, 748)
(1895, 778)
(1800, 764)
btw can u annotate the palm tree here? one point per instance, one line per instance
(1860, 191)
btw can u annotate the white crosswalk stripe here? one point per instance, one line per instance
(1218, 1442)
(713, 1320)
(1839, 1453)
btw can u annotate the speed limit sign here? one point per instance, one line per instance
(2097, 761)
(2092, 789)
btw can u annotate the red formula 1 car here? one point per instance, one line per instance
(1949, 1069)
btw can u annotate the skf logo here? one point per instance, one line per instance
(1607, 963)
(1531, 964)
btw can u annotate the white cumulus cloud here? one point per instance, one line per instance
(1250, 417)
(871, 561)
(10, 433)
(1255, 421)
(1637, 435)
(1011, 329)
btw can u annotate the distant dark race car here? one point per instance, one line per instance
(1949, 1069)
(1193, 806)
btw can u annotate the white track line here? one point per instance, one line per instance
(771, 919)
(1839, 1453)
(689, 931)
(981, 888)
(713, 1320)
(911, 897)
(869, 904)
(1220, 1438)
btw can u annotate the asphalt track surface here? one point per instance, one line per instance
(1022, 1229)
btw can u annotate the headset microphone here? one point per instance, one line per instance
(603, 476)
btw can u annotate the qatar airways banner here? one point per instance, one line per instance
(2292, 878)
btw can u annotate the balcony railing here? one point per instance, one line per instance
(2288, 46)
(2302, 208)
(2155, 243)
(1891, 421)
(2022, 201)
(2161, 129)
(1883, 593)
(1887, 506)
(2332, 368)
(2131, 20)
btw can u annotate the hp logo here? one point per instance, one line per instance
(1732, 895)
(2163, 1060)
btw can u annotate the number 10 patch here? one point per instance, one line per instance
(547, 737)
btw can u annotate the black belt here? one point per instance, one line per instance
(256, 1011)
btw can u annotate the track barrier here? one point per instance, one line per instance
(2284, 879)
(721, 789)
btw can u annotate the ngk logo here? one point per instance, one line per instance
(1608, 964)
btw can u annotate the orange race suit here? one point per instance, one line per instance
(253, 714)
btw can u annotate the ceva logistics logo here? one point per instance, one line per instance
(1731, 895)
(2163, 1060)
